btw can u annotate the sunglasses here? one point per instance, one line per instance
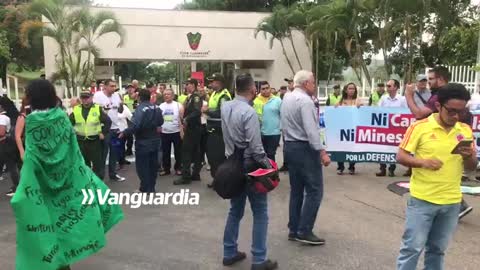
(389, 85)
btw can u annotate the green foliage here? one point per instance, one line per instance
(4, 47)
(161, 72)
(76, 31)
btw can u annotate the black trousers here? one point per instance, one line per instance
(10, 156)
(391, 167)
(341, 166)
(167, 141)
(129, 144)
(92, 153)
(203, 142)
(191, 152)
(270, 145)
(215, 150)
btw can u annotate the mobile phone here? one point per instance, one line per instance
(463, 143)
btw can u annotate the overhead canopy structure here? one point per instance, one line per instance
(193, 36)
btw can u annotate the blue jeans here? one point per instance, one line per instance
(146, 163)
(430, 227)
(111, 152)
(258, 203)
(306, 186)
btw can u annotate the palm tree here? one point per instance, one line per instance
(277, 29)
(90, 28)
(76, 32)
(344, 19)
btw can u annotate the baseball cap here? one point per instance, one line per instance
(288, 80)
(216, 77)
(421, 77)
(336, 86)
(192, 80)
(85, 94)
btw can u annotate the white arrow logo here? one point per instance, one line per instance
(87, 196)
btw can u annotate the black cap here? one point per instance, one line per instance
(336, 86)
(216, 77)
(288, 80)
(86, 94)
(192, 80)
(380, 85)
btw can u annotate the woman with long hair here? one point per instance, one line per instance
(349, 98)
(53, 180)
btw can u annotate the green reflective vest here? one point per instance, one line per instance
(334, 100)
(215, 98)
(128, 101)
(258, 106)
(376, 98)
(91, 127)
(182, 98)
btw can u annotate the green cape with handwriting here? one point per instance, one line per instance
(54, 228)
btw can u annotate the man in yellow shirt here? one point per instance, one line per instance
(432, 212)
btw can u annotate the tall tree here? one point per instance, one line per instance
(11, 18)
(275, 28)
(75, 31)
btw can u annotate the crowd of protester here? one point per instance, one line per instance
(216, 123)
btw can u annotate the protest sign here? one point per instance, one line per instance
(370, 134)
(54, 228)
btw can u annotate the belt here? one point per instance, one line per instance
(90, 138)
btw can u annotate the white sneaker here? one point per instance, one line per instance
(118, 178)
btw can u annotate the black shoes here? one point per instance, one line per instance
(283, 168)
(266, 265)
(381, 173)
(292, 236)
(182, 181)
(310, 239)
(237, 258)
(196, 178)
(464, 210)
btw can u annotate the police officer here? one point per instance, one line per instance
(146, 125)
(215, 144)
(183, 97)
(377, 95)
(334, 97)
(130, 100)
(91, 125)
(192, 136)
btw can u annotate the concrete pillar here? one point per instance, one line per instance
(194, 66)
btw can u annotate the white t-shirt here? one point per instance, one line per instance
(397, 102)
(122, 118)
(171, 117)
(204, 115)
(5, 121)
(109, 105)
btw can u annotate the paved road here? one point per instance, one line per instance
(360, 219)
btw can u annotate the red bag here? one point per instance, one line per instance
(265, 180)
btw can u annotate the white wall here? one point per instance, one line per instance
(162, 35)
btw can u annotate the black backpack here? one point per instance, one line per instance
(230, 178)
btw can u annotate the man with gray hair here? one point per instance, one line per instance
(305, 154)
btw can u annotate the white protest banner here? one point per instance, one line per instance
(370, 134)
